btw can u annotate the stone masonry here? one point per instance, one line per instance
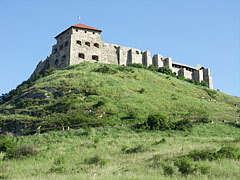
(80, 43)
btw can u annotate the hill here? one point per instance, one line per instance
(98, 102)
(107, 94)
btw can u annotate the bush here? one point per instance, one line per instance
(4, 176)
(106, 69)
(183, 125)
(185, 165)
(181, 77)
(229, 152)
(7, 144)
(137, 149)
(157, 122)
(211, 93)
(190, 81)
(199, 115)
(97, 160)
(137, 65)
(152, 68)
(125, 69)
(167, 169)
(166, 70)
(204, 83)
(206, 154)
(24, 150)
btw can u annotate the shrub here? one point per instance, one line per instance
(183, 125)
(24, 150)
(125, 69)
(137, 65)
(229, 152)
(181, 77)
(167, 169)
(190, 81)
(211, 93)
(157, 122)
(204, 83)
(137, 149)
(199, 115)
(4, 176)
(212, 154)
(206, 154)
(166, 70)
(152, 68)
(7, 144)
(106, 69)
(185, 165)
(97, 160)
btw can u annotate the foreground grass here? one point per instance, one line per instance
(98, 153)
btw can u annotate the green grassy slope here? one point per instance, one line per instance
(91, 91)
(99, 153)
(108, 93)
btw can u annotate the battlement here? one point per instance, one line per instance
(80, 43)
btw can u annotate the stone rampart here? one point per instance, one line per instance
(81, 43)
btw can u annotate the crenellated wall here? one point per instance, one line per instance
(76, 45)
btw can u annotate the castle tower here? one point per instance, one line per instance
(76, 44)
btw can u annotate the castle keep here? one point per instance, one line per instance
(81, 43)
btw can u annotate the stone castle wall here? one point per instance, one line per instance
(76, 45)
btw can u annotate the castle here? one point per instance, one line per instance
(81, 43)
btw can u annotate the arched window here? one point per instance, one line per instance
(56, 62)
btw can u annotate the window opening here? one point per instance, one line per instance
(96, 45)
(87, 44)
(81, 55)
(94, 57)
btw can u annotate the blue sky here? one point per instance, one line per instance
(192, 32)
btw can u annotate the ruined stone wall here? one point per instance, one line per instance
(78, 45)
(110, 53)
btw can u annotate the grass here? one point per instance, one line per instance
(122, 153)
(89, 91)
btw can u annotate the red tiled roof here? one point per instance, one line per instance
(86, 27)
(82, 26)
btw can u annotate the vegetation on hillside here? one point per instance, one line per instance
(121, 122)
(208, 151)
(107, 95)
